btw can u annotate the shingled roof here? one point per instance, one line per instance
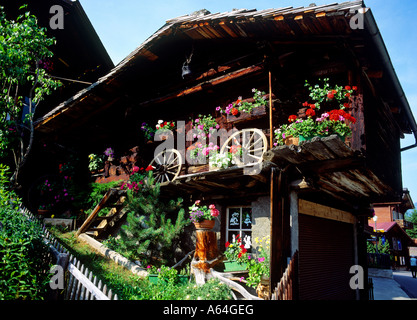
(284, 25)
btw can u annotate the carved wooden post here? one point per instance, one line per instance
(206, 254)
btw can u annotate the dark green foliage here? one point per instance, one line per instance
(412, 217)
(87, 197)
(154, 225)
(23, 267)
(24, 50)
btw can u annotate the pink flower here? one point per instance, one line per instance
(197, 202)
(214, 212)
(261, 259)
(148, 267)
(135, 169)
(212, 206)
(197, 120)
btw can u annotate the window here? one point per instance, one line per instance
(239, 222)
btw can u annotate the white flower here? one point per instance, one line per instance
(160, 121)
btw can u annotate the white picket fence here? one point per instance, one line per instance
(79, 283)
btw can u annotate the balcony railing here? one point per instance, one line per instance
(404, 224)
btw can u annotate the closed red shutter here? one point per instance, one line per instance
(326, 254)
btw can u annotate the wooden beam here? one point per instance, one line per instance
(320, 211)
(271, 128)
(332, 165)
(199, 87)
(96, 210)
(280, 226)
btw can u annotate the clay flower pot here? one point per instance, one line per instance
(204, 225)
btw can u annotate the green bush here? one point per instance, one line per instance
(87, 197)
(24, 270)
(153, 226)
(23, 267)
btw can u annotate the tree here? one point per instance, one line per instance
(153, 226)
(24, 50)
(412, 217)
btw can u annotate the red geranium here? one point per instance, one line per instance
(310, 113)
(292, 118)
(235, 111)
(330, 95)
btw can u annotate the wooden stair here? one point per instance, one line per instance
(99, 226)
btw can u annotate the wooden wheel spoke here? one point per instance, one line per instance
(254, 144)
(253, 156)
(170, 163)
(170, 156)
(174, 166)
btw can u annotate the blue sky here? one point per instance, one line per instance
(123, 25)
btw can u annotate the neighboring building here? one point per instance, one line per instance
(391, 225)
(315, 198)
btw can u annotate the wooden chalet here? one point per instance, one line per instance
(315, 198)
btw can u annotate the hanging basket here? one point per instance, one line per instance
(204, 225)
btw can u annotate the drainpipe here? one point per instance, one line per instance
(372, 27)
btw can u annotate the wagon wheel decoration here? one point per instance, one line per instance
(166, 165)
(249, 144)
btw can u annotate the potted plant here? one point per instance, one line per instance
(199, 156)
(221, 160)
(110, 154)
(336, 121)
(204, 126)
(203, 216)
(148, 132)
(96, 163)
(236, 254)
(44, 209)
(245, 108)
(259, 267)
(164, 129)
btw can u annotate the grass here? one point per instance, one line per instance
(129, 286)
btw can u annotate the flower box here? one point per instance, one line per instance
(42, 212)
(256, 113)
(307, 138)
(198, 168)
(292, 140)
(232, 266)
